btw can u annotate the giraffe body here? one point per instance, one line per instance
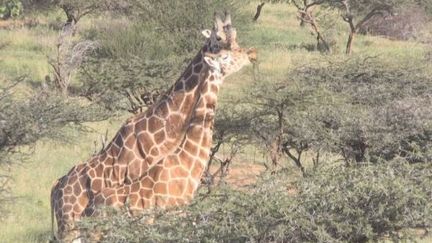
(141, 149)
(140, 143)
(174, 180)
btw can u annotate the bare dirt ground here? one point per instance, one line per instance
(14, 24)
(244, 174)
(240, 175)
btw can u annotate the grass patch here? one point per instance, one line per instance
(29, 219)
(26, 52)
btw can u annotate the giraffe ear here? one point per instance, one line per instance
(227, 18)
(210, 61)
(206, 33)
(218, 22)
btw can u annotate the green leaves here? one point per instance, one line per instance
(336, 204)
(146, 50)
(41, 115)
(10, 9)
(374, 109)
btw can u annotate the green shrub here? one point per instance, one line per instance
(335, 204)
(25, 120)
(41, 115)
(359, 204)
(385, 110)
(363, 108)
(404, 25)
(10, 9)
(148, 49)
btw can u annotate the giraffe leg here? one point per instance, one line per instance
(52, 202)
(71, 232)
(69, 207)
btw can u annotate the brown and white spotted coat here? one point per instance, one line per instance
(175, 180)
(141, 142)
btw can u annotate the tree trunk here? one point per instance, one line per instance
(258, 12)
(349, 42)
(70, 14)
(275, 152)
(316, 160)
(321, 40)
(276, 145)
(297, 160)
(306, 16)
(302, 19)
(320, 37)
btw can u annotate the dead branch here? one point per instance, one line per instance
(68, 58)
(4, 92)
(296, 159)
(305, 15)
(258, 11)
(140, 99)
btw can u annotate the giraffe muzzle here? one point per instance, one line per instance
(252, 54)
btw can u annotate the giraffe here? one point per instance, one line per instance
(174, 181)
(142, 140)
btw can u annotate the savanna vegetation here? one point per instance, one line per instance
(328, 138)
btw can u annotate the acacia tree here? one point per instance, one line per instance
(280, 120)
(25, 120)
(68, 57)
(357, 13)
(376, 111)
(138, 58)
(76, 9)
(408, 24)
(258, 11)
(232, 128)
(305, 14)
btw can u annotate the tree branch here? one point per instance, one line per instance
(258, 11)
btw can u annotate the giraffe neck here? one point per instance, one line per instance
(173, 112)
(194, 152)
(150, 136)
(174, 180)
(201, 127)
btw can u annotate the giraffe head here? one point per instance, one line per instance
(226, 62)
(222, 36)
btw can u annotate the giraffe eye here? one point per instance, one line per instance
(218, 38)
